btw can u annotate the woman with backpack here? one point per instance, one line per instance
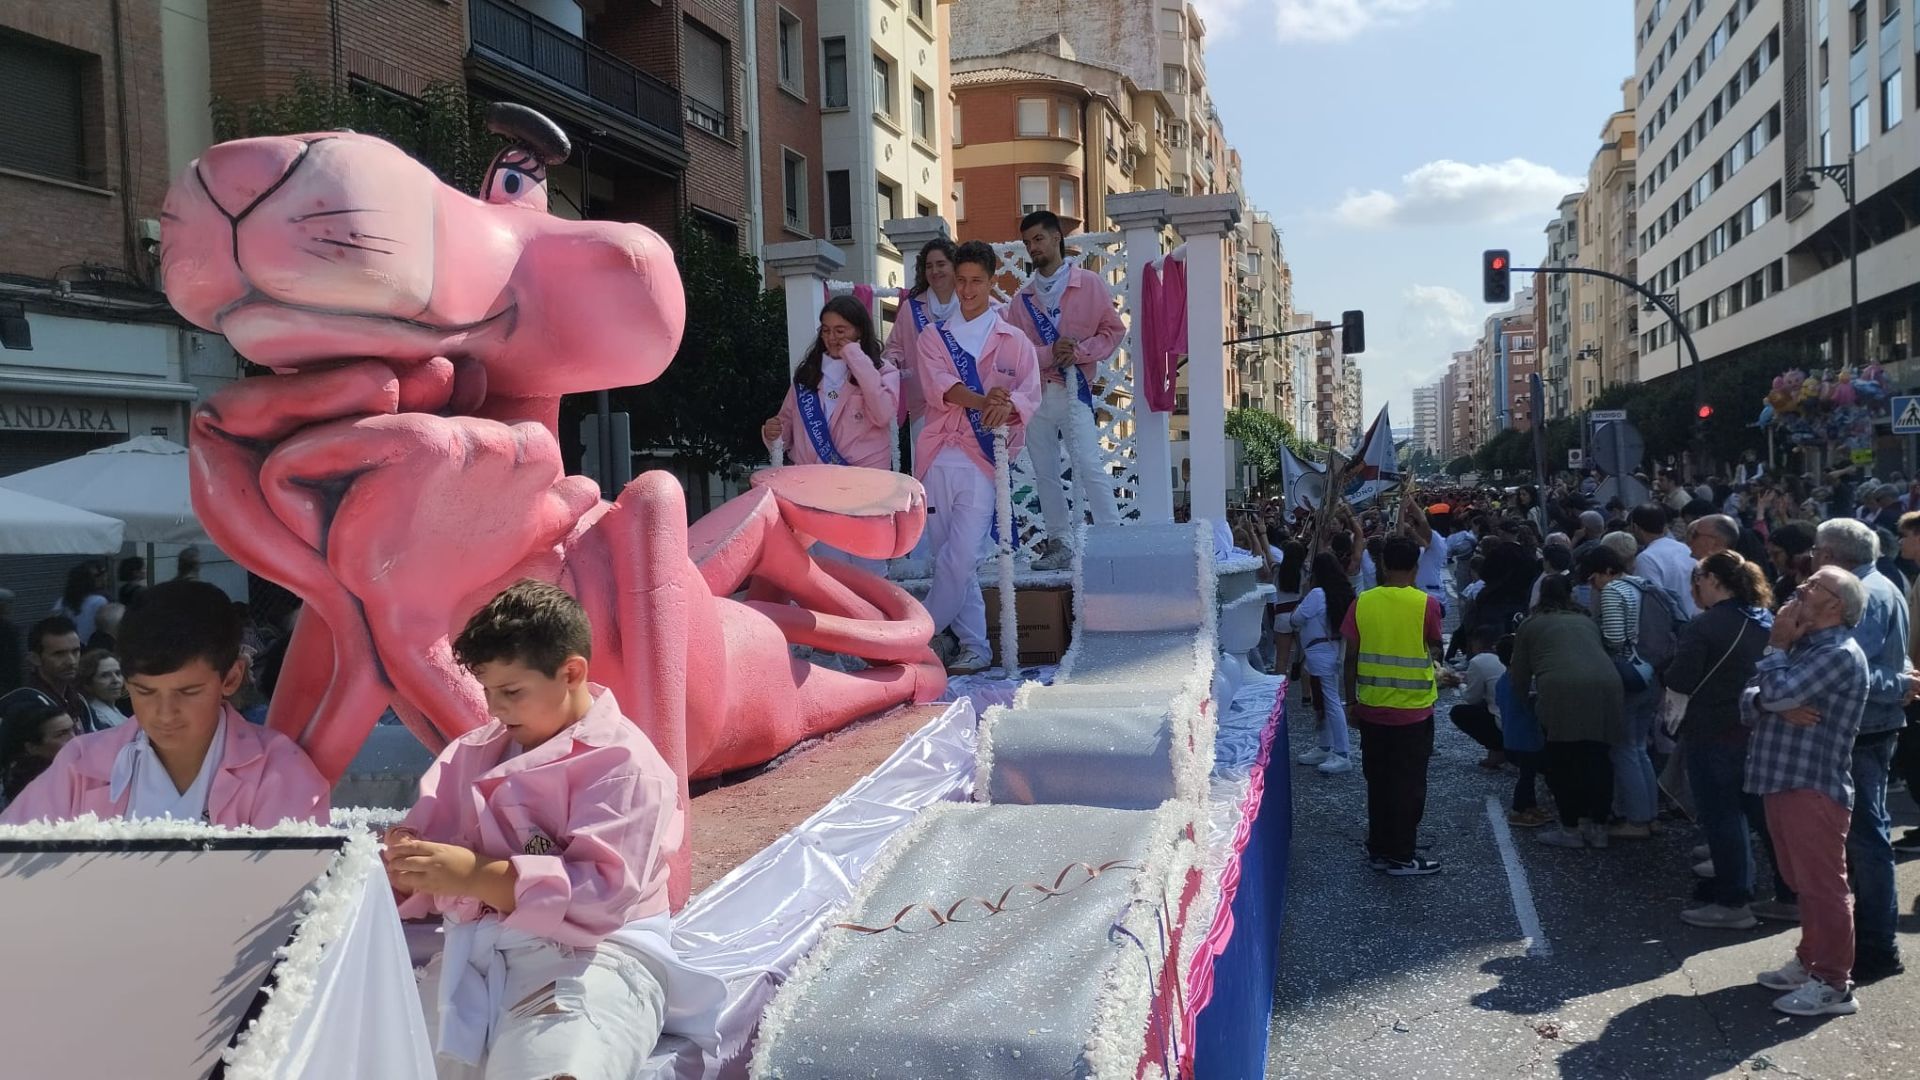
(1639, 623)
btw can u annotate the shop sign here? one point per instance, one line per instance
(55, 414)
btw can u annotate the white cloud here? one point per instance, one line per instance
(1455, 193)
(1437, 314)
(1340, 20)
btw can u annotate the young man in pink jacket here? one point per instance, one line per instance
(188, 755)
(977, 374)
(1068, 314)
(543, 840)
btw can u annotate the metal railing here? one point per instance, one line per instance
(505, 32)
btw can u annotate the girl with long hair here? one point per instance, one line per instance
(839, 410)
(1317, 621)
(84, 596)
(1287, 590)
(931, 301)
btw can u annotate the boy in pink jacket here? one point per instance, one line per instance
(188, 755)
(977, 374)
(1068, 314)
(542, 840)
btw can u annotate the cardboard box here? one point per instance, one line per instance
(1045, 623)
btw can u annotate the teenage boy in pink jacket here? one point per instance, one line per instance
(188, 755)
(977, 374)
(1067, 312)
(543, 840)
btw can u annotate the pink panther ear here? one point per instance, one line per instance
(518, 175)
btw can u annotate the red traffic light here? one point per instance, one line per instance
(1705, 411)
(1499, 262)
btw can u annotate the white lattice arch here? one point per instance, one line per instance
(1114, 397)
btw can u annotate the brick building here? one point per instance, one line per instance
(792, 184)
(92, 353)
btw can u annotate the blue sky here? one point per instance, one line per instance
(1393, 140)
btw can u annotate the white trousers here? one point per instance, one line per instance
(959, 516)
(1049, 431)
(1323, 662)
(592, 1014)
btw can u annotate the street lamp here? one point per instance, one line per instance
(1808, 184)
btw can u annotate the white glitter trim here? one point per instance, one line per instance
(92, 828)
(1065, 671)
(373, 818)
(1125, 1002)
(983, 751)
(1003, 512)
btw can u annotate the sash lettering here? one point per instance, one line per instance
(1050, 333)
(814, 419)
(964, 366)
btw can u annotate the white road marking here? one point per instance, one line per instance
(1532, 935)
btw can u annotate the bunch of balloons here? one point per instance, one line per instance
(1835, 408)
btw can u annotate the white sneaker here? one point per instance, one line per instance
(1789, 976)
(1058, 556)
(1702, 851)
(1336, 764)
(1312, 757)
(969, 662)
(1703, 869)
(1814, 998)
(1720, 917)
(1561, 836)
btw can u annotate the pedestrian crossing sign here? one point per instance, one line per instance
(1906, 415)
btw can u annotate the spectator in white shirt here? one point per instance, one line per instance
(1662, 560)
(1477, 711)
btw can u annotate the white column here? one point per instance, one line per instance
(803, 268)
(1141, 215)
(912, 234)
(1203, 222)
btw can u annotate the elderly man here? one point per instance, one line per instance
(1805, 703)
(1844, 544)
(1712, 534)
(1662, 560)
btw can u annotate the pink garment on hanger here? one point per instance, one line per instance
(1163, 332)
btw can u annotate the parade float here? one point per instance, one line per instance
(1078, 874)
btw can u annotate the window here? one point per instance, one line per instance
(833, 73)
(43, 131)
(887, 202)
(918, 9)
(707, 76)
(1066, 123)
(922, 114)
(883, 87)
(1069, 206)
(959, 200)
(1859, 19)
(840, 206)
(793, 185)
(1175, 77)
(923, 208)
(1033, 194)
(959, 139)
(1862, 123)
(791, 41)
(1033, 117)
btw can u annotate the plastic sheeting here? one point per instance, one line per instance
(751, 927)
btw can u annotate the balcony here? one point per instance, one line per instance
(529, 47)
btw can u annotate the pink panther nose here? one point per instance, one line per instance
(237, 174)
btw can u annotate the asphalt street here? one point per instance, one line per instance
(1436, 977)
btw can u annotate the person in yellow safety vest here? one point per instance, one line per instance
(1393, 633)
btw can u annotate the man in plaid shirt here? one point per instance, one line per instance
(1804, 703)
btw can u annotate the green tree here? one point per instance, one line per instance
(444, 128)
(731, 371)
(1460, 466)
(1263, 434)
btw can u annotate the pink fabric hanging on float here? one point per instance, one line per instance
(1163, 330)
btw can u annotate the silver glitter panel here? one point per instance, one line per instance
(1119, 758)
(1109, 657)
(1073, 695)
(1002, 997)
(1140, 578)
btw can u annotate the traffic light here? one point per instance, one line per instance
(1704, 412)
(1496, 276)
(1353, 332)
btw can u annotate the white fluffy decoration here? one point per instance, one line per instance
(87, 827)
(983, 753)
(1065, 671)
(328, 910)
(1125, 1001)
(777, 453)
(1193, 756)
(773, 1022)
(375, 819)
(1003, 513)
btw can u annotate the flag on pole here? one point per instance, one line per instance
(1372, 468)
(1304, 482)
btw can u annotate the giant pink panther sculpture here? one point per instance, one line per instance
(402, 465)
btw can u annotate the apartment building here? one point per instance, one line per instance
(1468, 401)
(1039, 129)
(90, 351)
(1608, 216)
(786, 158)
(1444, 419)
(1556, 293)
(1354, 418)
(1330, 388)
(1426, 416)
(885, 128)
(1302, 353)
(1262, 372)
(1739, 100)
